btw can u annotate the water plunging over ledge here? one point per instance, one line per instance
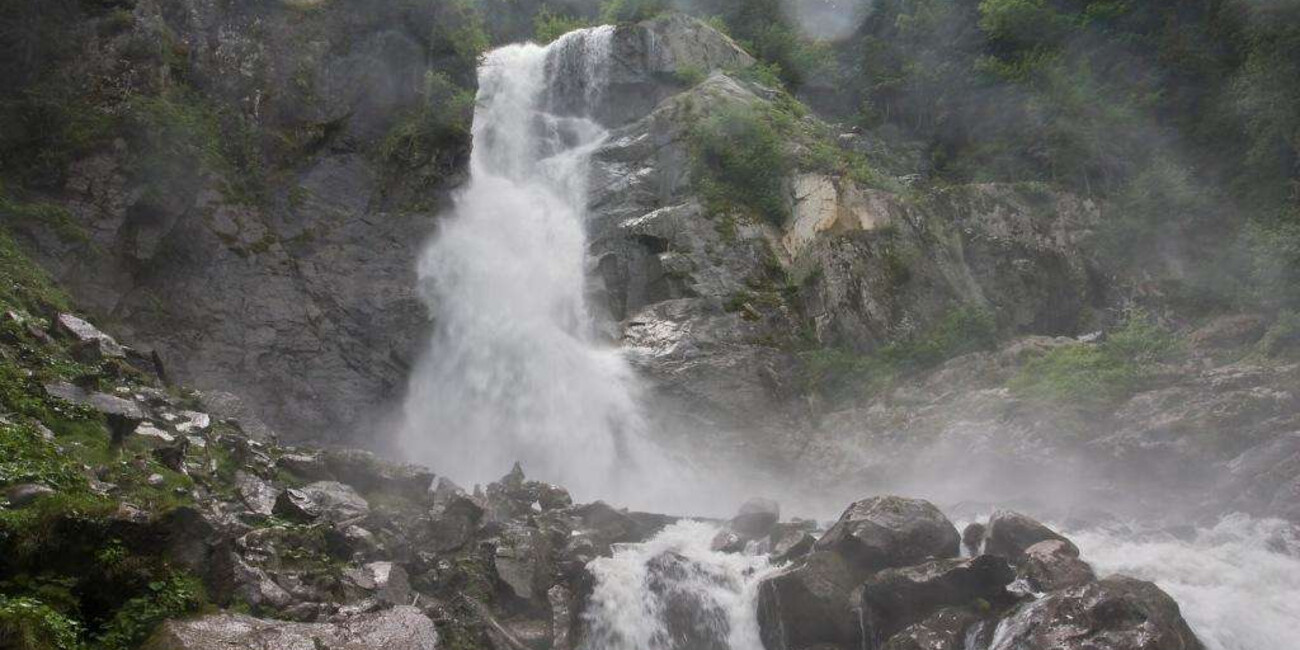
(514, 371)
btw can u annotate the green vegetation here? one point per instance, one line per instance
(741, 161)
(631, 11)
(840, 375)
(549, 25)
(23, 285)
(171, 597)
(1095, 375)
(29, 624)
(428, 140)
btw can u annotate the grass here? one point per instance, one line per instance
(23, 285)
(1097, 375)
(840, 375)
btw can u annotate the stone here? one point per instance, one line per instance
(25, 494)
(896, 598)
(156, 480)
(172, 456)
(153, 436)
(455, 521)
(553, 497)
(399, 628)
(562, 619)
(946, 629)
(193, 422)
(884, 532)
(83, 333)
(368, 472)
(1230, 331)
(328, 500)
(385, 582)
(258, 495)
(1116, 613)
(791, 544)
(310, 466)
(807, 604)
(727, 541)
(1053, 565)
(1009, 534)
(524, 562)
(756, 518)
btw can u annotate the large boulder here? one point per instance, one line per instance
(328, 500)
(756, 518)
(808, 604)
(367, 472)
(1053, 565)
(946, 629)
(1009, 534)
(1117, 613)
(400, 628)
(883, 532)
(896, 598)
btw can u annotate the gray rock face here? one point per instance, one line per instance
(946, 629)
(883, 532)
(400, 628)
(808, 604)
(1118, 612)
(328, 500)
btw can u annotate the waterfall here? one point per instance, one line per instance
(514, 370)
(674, 592)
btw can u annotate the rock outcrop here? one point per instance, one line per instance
(401, 628)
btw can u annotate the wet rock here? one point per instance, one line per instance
(400, 628)
(368, 472)
(25, 494)
(790, 543)
(1053, 565)
(1265, 480)
(562, 618)
(1009, 534)
(229, 407)
(258, 495)
(1117, 613)
(972, 538)
(727, 541)
(884, 532)
(123, 416)
(693, 620)
(946, 629)
(524, 562)
(456, 519)
(553, 497)
(896, 598)
(756, 518)
(808, 604)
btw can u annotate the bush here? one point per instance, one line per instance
(175, 596)
(29, 624)
(549, 25)
(740, 161)
(1097, 375)
(434, 134)
(631, 11)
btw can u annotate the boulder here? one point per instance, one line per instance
(1117, 613)
(400, 628)
(88, 337)
(1010, 533)
(457, 516)
(258, 495)
(383, 582)
(1053, 565)
(884, 532)
(310, 466)
(525, 563)
(972, 537)
(808, 604)
(946, 629)
(756, 518)
(896, 598)
(123, 415)
(329, 500)
(367, 472)
(790, 543)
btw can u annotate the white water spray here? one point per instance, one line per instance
(514, 371)
(1237, 583)
(675, 591)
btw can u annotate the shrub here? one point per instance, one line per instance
(29, 624)
(172, 597)
(434, 133)
(1093, 375)
(549, 25)
(740, 161)
(631, 11)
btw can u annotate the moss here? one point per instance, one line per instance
(172, 597)
(23, 285)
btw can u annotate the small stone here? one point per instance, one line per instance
(153, 435)
(156, 480)
(27, 493)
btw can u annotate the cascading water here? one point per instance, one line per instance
(514, 370)
(674, 591)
